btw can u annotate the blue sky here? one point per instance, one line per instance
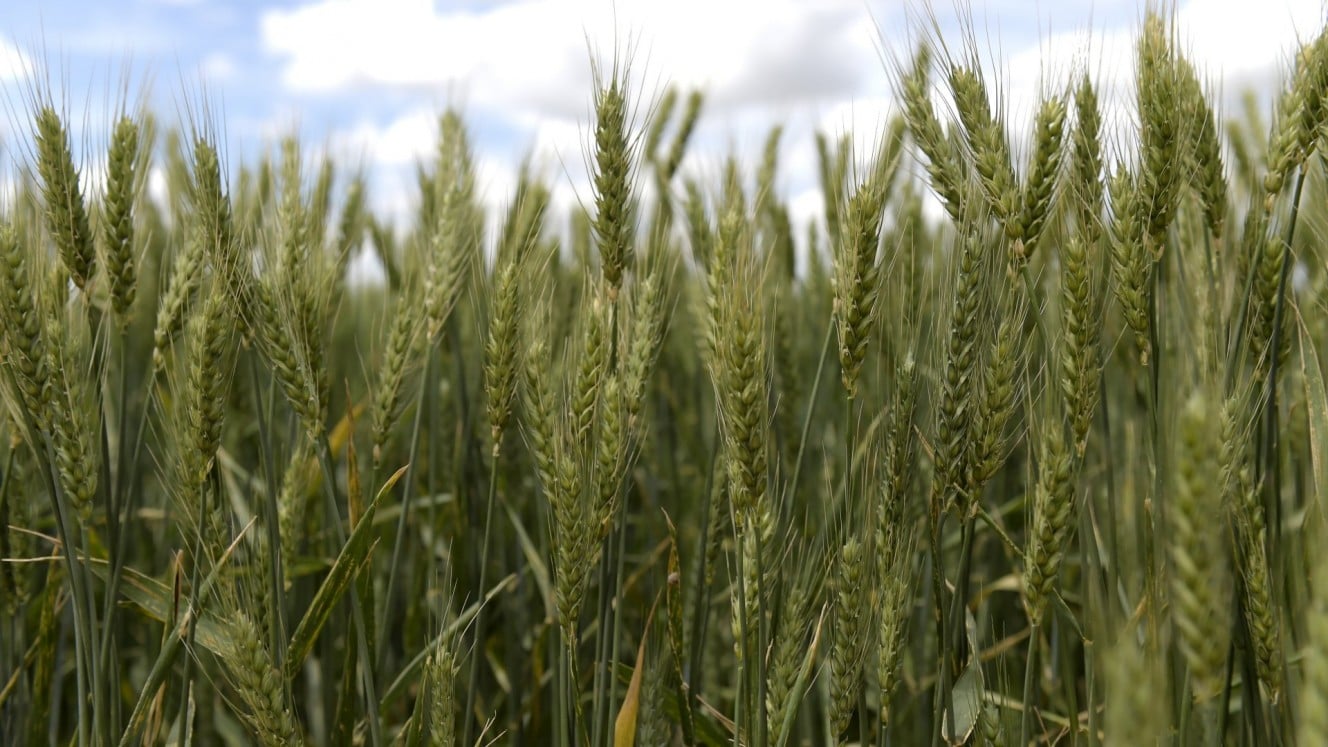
(366, 79)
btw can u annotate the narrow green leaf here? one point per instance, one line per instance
(353, 557)
(967, 705)
(1316, 398)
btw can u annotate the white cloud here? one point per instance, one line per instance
(522, 68)
(392, 150)
(92, 176)
(1246, 40)
(404, 141)
(218, 67)
(533, 54)
(158, 188)
(366, 269)
(13, 63)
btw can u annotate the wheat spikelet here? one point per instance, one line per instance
(402, 339)
(524, 223)
(186, 273)
(1268, 288)
(1261, 610)
(320, 204)
(562, 479)
(453, 233)
(754, 534)
(699, 234)
(691, 113)
(718, 520)
(1129, 257)
(204, 397)
(292, 502)
(742, 388)
(118, 218)
(1300, 114)
(500, 351)
(541, 415)
(592, 369)
(894, 558)
(1081, 326)
(647, 333)
(1137, 688)
(1241, 496)
(654, 725)
(1199, 575)
(850, 633)
(943, 167)
(1086, 160)
(659, 120)
(1162, 139)
(857, 279)
(611, 447)
(212, 208)
(989, 724)
(66, 213)
(73, 417)
(279, 335)
(612, 179)
(22, 333)
(1043, 174)
(954, 415)
(991, 152)
(441, 671)
(351, 224)
(1053, 511)
(999, 392)
(212, 239)
(1206, 152)
(259, 685)
(786, 656)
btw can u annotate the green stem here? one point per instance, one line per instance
(701, 605)
(1090, 686)
(85, 623)
(407, 497)
(762, 645)
(357, 602)
(941, 708)
(959, 602)
(561, 686)
(276, 572)
(1030, 665)
(1269, 470)
(604, 642)
(114, 528)
(744, 660)
(615, 610)
(811, 406)
(186, 677)
(478, 654)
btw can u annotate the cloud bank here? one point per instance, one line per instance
(521, 69)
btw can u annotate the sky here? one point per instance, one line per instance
(366, 80)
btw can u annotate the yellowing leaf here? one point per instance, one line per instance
(624, 729)
(341, 432)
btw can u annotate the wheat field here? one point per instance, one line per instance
(1047, 466)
